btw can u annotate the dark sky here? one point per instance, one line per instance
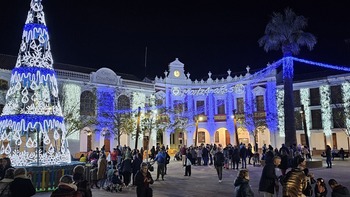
(205, 35)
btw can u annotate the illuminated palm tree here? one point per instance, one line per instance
(285, 32)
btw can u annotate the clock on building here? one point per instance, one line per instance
(177, 73)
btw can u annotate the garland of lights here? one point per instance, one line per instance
(249, 108)
(210, 112)
(280, 111)
(346, 100)
(305, 100)
(326, 109)
(105, 109)
(71, 103)
(271, 106)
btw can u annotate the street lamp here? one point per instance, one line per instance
(235, 125)
(302, 112)
(198, 118)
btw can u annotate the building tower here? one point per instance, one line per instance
(32, 130)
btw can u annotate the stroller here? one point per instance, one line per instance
(114, 183)
(177, 156)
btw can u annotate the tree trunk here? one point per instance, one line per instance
(289, 120)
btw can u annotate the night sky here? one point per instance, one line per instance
(205, 35)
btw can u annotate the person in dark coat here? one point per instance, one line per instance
(235, 157)
(329, 156)
(268, 179)
(143, 179)
(5, 183)
(242, 187)
(219, 160)
(284, 162)
(135, 165)
(80, 181)
(126, 170)
(205, 155)
(337, 189)
(188, 163)
(21, 186)
(66, 188)
(243, 153)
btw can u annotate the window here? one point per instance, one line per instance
(201, 137)
(3, 84)
(296, 97)
(221, 106)
(298, 121)
(123, 103)
(336, 94)
(200, 107)
(217, 137)
(260, 104)
(338, 117)
(316, 119)
(87, 103)
(159, 102)
(240, 105)
(178, 106)
(314, 96)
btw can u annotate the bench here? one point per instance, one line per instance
(336, 155)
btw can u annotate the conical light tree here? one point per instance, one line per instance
(32, 130)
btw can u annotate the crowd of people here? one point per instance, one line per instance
(123, 167)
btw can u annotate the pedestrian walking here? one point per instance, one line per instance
(143, 179)
(219, 160)
(269, 180)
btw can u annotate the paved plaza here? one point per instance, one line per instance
(204, 181)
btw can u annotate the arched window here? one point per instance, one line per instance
(4, 85)
(87, 103)
(217, 137)
(123, 103)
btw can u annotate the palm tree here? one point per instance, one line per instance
(285, 32)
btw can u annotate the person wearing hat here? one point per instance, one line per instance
(80, 181)
(66, 187)
(320, 188)
(21, 186)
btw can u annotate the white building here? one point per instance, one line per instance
(255, 97)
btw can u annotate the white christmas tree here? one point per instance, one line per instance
(32, 130)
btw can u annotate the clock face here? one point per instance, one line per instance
(177, 73)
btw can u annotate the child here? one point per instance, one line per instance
(320, 188)
(242, 187)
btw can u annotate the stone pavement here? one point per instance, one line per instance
(204, 181)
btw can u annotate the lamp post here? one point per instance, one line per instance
(235, 125)
(198, 118)
(302, 112)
